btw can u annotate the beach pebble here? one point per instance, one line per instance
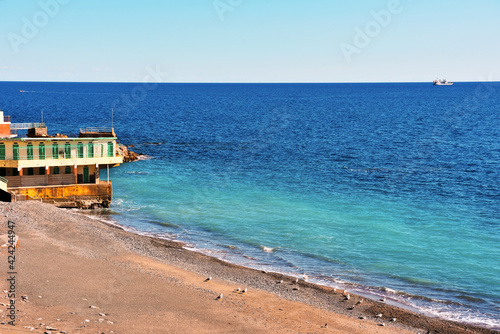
(24, 298)
(296, 289)
(362, 318)
(102, 314)
(110, 322)
(92, 306)
(279, 282)
(39, 296)
(382, 324)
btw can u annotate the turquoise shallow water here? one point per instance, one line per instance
(386, 189)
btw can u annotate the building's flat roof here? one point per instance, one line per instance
(57, 138)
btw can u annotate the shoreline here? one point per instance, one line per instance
(374, 293)
(157, 265)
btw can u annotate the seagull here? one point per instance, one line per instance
(378, 315)
(219, 297)
(279, 282)
(296, 281)
(348, 297)
(393, 319)
(305, 277)
(359, 302)
(244, 290)
(382, 300)
(208, 279)
(237, 289)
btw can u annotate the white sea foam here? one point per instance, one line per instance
(267, 249)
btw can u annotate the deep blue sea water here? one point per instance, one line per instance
(384, 189)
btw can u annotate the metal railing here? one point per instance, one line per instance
(25, 126)
(97, 130)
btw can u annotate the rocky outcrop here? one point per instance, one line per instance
(128, 156)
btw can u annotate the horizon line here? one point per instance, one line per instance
(240, 82)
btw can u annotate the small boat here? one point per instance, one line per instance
(443, 82)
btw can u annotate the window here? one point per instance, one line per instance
(41, 151)
(41, 171)
(15, 172)
(15, 151)
(3, 171)
(29, 150)
(67, 151)
(55, 151)
(90, 149)
(80, 150)
(2, 151)
(30, 171)
(110, 149)
(56, 170)
(68, 170)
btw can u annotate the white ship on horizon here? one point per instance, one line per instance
(443, 82)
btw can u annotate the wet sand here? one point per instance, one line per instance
(78, 275)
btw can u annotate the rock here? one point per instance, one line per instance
(128, 156)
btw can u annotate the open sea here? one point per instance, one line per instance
(383, 189)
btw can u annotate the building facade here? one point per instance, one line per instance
(66, 172)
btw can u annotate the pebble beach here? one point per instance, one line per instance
(74, 274)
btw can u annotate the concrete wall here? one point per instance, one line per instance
(83, 196)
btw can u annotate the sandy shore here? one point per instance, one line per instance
(83, 276)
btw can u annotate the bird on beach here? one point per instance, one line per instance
(219, 297)
(348, 297)
(378, 315)
(296, 281)
(279, 282)
(359, 302)
(237, 289)
(208, 279)
(244, 290)
(382, 300)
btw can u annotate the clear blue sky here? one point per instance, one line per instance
(254, 41)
